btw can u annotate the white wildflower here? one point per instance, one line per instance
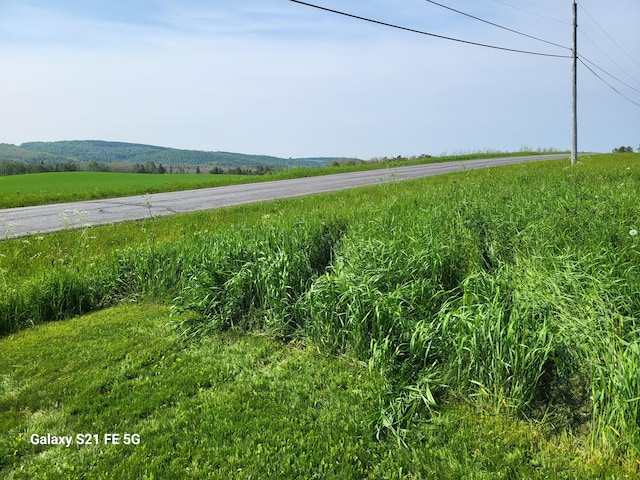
(633, 232)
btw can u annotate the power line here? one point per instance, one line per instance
(533, 13)
(574, 53)
(608, 84)
(496, 25)
(607, 73)
(427, 33)
(608, 57)
(607, 34)
(582, 59)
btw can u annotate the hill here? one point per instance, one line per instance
(14, 153)
(86, 151)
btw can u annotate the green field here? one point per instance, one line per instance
(59, 187)
(483, 324)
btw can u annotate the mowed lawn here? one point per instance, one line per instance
(136, 401)
(223, 407)
(43, 188)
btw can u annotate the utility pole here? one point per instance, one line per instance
(574, 78)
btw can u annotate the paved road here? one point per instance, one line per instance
(16, 222)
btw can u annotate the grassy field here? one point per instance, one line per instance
(60, 187)
(487, 319)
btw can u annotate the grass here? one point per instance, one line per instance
(509, 294)
(211, 402)
(61, 187)
(231, 406)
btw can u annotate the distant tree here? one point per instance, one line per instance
(67, 167)
(12, 168)
(94, 166)
(198, 169)
(150, 167)
(264, 169)
(623, 149)
(161, 169)
(216, 171)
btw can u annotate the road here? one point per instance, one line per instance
(16, 222)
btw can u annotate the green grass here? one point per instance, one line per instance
(509, 294)
(225, 406)
(232, 406)
(60, 187)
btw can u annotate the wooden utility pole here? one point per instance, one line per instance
(574, 78)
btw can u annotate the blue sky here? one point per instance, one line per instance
(279, 78)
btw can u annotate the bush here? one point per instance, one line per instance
(623, 149)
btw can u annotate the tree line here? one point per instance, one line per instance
(257, 170)
(15, 167)
(624, 149)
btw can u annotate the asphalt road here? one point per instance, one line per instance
(16, 222)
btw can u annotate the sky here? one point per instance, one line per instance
(276, 77)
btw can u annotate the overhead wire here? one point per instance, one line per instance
(496, 25)
(607, 73)
(607, 34)
(584, 61)
(580, 57)
(607, 56)
(532, 13)
(378, 22)
(607, 83)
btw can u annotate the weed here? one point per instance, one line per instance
(7, 227)
(73, 219)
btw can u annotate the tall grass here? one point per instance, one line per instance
(252, 279)
(517, 289)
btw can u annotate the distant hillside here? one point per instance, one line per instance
(85, 151)
(12, 153)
